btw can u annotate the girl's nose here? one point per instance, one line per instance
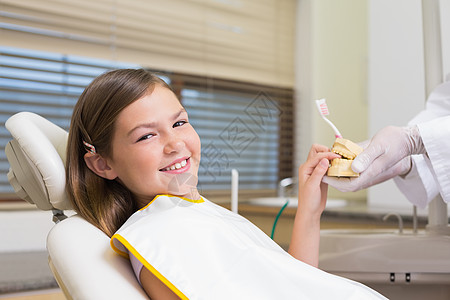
(173, 143)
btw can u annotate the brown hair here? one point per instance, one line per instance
(105, 203)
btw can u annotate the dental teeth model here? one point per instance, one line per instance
(341, 167)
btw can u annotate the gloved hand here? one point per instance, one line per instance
(386, 156)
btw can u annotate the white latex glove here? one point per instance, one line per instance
(386, 156)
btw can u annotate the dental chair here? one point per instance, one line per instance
(80, 255)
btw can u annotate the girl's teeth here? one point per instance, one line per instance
(177, 166)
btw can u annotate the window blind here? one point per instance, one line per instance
(242, 126)
(51, 49)
(44, 83)
(244, 40)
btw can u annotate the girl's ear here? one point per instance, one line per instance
(99, 166)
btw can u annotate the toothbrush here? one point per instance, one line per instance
(323, 110)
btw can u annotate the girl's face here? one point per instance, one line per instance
(155, 150)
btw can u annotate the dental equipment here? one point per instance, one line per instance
(282, 185)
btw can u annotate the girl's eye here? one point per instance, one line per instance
(145, 137)
(179, 123)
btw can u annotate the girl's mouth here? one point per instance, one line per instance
(178, 166)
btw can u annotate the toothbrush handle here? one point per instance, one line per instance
(336, 131)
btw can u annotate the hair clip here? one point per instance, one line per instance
(91, 148)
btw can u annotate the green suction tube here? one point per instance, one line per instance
(277, 217)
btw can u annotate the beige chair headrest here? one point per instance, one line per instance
(37, 156)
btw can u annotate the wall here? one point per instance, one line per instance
(445, 36)
(396, 76)
(367, 59)
(24, 230)
(331, 63)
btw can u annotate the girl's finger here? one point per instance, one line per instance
(319, 171)
(313, 161)
(316, 148)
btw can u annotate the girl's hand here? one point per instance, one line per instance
(312, 192)
(312, 197)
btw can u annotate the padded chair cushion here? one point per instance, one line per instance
(87, 265)
(37, 158)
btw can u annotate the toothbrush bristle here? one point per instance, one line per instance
(324, 109)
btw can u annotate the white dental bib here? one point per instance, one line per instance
(203, 251)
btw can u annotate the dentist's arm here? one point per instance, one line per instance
(386, 156)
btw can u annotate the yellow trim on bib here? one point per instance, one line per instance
(146, 264)
(201, 200)
(117, 250)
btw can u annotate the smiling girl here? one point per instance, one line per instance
(130, 139)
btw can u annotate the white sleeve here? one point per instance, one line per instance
(430, 174)
(419, 185)
(436, 138)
